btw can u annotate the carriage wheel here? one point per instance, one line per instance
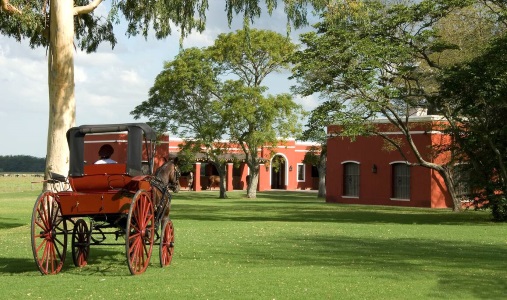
(167, 243)
(48, 234)
(80, 243)
(140, 232)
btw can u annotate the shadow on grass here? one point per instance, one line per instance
(470, 268)
(8, 223)
(295, 212)
(102, 261)
(10, 266)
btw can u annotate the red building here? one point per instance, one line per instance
(291, 173)
(366, 171)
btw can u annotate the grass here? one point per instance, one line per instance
(282, 245)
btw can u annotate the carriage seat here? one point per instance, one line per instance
(101, 178)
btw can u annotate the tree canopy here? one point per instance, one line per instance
(204, 95)
(62, 25)
(380, 59)
(21, 163)
(474, 99)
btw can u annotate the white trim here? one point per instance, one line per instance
(286, 168)
(350, 197)
(105, 141)
(399, 162)
(350, 161)
(413, 119)
(412, 132)
(307, 143)
(399, 199)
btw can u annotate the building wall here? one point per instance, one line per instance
(426, 186)
(93, 142)
(293, 153)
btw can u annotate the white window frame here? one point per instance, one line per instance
(352, 162)
(303, 172)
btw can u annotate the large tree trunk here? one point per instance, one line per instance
(223, 180)
(449, 182)
(253, 181)
(62, 106)
(322, 175)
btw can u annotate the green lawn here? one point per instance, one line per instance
(282, 245)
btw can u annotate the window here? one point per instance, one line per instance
(401, 181)
(301, 172)
(203, 169)
(351, 179)
(461, 176)
(315, 171)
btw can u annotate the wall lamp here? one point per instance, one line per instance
(374, 169)
(290, 168)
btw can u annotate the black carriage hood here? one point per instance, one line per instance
(75, 139)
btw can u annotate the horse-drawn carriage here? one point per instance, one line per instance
(122, 200)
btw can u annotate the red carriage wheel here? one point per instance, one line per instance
(140, 232)
(48, 234)
(80, 243)
(167, 243)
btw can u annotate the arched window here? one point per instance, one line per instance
(351, 179)
(401, 181)
(461, 177)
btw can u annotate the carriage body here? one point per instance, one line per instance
(103, 189)
(117, 199)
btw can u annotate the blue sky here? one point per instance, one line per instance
(109, 83)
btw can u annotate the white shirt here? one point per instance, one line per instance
(105, 161)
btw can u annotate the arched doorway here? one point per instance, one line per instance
(279, 172)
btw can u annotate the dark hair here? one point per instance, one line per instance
(106, 151)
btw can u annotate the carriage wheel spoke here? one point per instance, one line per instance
(48, 234)
(140, 232)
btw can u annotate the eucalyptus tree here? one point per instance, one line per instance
(378, 59)
(56, 24)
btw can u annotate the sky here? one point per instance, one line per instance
(109, 83)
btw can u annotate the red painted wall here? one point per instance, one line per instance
(93, 142)
(426, 186)
(293, 153)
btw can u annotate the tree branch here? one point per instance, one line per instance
(9, 8)
(82, 10)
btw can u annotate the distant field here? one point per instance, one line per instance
(20, 182)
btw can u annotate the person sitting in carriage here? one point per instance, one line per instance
(105, 153)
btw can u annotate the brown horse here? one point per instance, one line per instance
(165, 178)
(213, 180)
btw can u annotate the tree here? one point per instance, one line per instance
(56, 23)
(256, 121)
(378, 60)
(253, 119)
(473, 98)
(193, 98)
(322, 116)
(185, 100)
